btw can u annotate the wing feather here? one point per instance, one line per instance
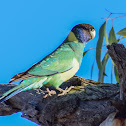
(59, 61)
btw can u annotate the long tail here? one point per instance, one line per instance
(27, 84)
(13, 92)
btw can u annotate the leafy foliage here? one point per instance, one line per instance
(111, 38)
(122, 32)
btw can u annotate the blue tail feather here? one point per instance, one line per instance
(12, 92)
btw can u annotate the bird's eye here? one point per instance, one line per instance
(91, 29)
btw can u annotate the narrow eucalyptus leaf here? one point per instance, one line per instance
(112, 74)
(104, 74)
(84, 53)
(87, 51)
(92, 69)
(122, 32)
(102, 70)
(112, 37)
(116, 74)
(99, 45)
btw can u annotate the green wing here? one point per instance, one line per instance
(59, 61)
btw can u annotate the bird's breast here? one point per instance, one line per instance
(70, 73)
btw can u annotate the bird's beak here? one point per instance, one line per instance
(93, 33)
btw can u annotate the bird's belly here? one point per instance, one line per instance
(70, 73)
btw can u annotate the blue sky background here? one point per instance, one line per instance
(31, 29)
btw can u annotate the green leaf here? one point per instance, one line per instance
(112, 74)
(112, 36)
(104, 74)
(92, 69)
(87, 51)
(102, 70)
(116, 74)
(106, 38)
(84, 53)
(122, 32)
(102, 32)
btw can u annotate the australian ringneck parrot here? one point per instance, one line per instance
(57, 67)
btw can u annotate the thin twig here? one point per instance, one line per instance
(113, 13)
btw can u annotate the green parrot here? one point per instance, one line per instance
(57, 67)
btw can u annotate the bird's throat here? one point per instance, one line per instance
(71, 37)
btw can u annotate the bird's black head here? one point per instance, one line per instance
(83, 32)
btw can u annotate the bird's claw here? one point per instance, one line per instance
(64, 91)
(49, 93)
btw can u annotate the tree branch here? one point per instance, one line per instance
(118, 55)
(88, 104)
(82, 106)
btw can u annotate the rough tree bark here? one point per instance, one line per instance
(88, 104)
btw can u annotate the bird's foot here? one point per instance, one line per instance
(49, 93)
(64, 91)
